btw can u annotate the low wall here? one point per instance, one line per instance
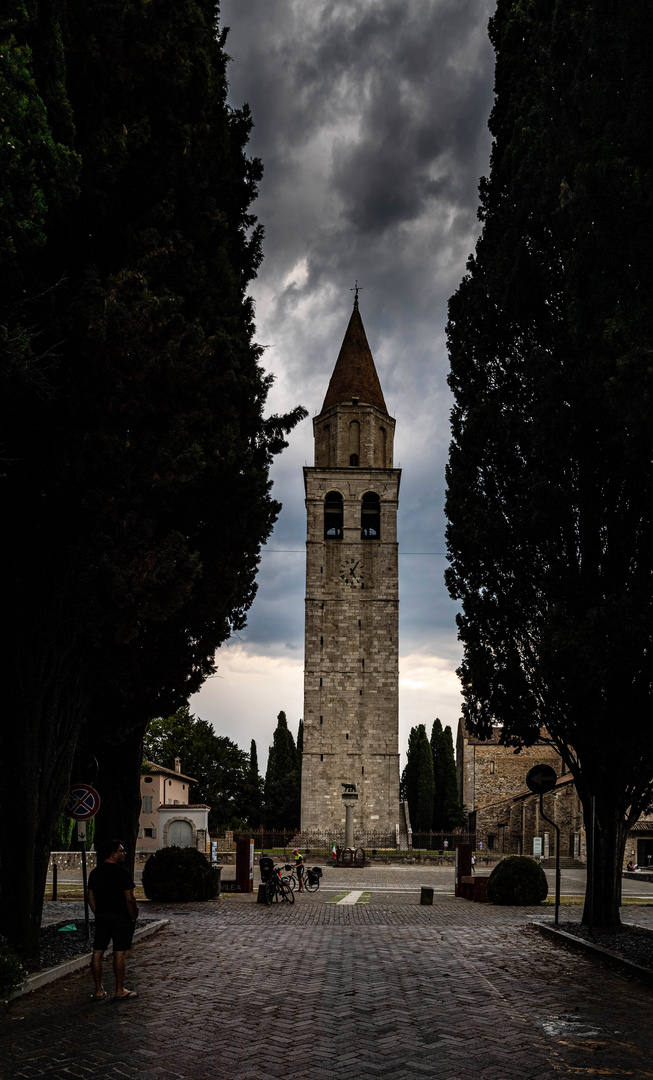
(639, 875)
(71, 860)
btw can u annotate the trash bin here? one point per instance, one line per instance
(426, 896)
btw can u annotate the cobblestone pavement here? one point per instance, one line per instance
(379, 988)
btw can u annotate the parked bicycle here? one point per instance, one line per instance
(277, 888)
(312, 875)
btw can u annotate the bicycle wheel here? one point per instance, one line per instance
(311, 885)
(292, 881)
(269, 892)
(286, 892)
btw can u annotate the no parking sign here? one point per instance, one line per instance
(83, 802)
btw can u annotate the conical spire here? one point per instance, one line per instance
(354, 376)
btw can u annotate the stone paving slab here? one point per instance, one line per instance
(391, 990)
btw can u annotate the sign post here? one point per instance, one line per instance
(82, 804)
(540, 779)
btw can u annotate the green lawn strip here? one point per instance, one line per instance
(364, 898)
(338, 897)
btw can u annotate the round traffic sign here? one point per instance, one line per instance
(83, 802)
(541, 778)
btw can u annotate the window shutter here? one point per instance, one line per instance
(140, 833)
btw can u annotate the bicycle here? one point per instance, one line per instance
(312, 875)
(277, 887)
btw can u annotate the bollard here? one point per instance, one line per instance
(426, 896)
(260, 899)
(54, 881)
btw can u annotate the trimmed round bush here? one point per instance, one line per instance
(517, 879)
(178, 875)
(12, 972)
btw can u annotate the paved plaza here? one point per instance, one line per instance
(328, 988)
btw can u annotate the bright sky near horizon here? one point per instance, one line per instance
(370, 118)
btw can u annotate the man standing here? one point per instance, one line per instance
(299, 867)
(111, 899)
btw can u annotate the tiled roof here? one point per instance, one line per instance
(154, 768)
(184, 806)
(354, 376)
(642, 826)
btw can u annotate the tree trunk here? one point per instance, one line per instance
(119, 787)
(604, 863)
(37, 754)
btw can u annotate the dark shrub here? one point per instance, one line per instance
(178, 875)
(12, 972)
(517, 879)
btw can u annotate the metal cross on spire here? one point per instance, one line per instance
(356, 291)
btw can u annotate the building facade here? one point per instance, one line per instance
(505, 814)
(351, 672)
(167, 818)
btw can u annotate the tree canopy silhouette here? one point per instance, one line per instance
(136, 490)
(550, 516)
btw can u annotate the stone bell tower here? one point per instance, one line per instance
(351, 670)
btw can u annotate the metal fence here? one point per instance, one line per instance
(441, 842)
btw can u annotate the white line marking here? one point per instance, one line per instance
(351, 897)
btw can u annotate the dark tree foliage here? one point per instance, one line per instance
(281, 795)
(417, 780)
(136, 494)
(219, 767)
(254, 790)
(550, 513)
(448, 812)
(438, 775)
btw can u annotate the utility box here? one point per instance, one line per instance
(245, 866)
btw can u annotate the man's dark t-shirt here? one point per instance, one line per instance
(108, 883)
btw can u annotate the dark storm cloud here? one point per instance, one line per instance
(371, 121)
(398, 90)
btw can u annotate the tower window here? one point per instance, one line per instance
(320, 719)
(354, 442)
(321, 757)
(347, 735)
(333, 515)
(370, 516)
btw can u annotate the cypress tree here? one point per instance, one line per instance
(254, 789)
(138, 494)
(550, 517)
(448, 812)
(281, 790)
(438, 776)
(418, 781)
(454, 815)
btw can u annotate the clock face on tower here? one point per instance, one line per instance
(351, 572)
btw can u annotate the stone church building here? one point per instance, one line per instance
(351, 673)
(504, 814)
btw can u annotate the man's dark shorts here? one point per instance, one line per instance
(114, 928)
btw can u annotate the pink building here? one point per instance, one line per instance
(167, 817)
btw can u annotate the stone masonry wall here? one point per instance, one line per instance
(351, 676)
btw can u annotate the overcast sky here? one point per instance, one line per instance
(371, 121)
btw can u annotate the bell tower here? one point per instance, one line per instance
(351, 648)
